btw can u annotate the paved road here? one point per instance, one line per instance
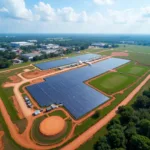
(95, 128)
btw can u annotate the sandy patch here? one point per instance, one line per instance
(26, 70)
(20, 114)
(14, 79)
(37, 73)
(113, 70)
(120, 54)
(52, 126)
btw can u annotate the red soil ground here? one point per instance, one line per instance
(37, 81)
(20, 114)
(52, 126)
(36, 73)
(119, 54)
(14, 79)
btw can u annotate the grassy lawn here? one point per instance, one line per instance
(134, 69)
(137, 53)
(89, 145)
(58, 113)
(112, 82)
(44, 140)
(23, 85)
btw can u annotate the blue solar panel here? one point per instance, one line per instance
(63, 62)
(69, 89)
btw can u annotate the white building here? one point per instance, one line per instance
(30, 56)
(50, 46)
(19, 44)
(32, 41)
(2, 49)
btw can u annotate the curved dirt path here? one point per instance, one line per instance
(15, 68)
(95, 128)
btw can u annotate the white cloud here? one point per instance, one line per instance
(145, 11)
(17, 9)
(68, 14)
(45, 12)
(3, 9)
(128, 16)
(104, 2)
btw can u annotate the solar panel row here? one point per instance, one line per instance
(68, 88)
(67, 61)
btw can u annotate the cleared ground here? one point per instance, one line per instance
(112, 82)
(46, 140)
(134, 69)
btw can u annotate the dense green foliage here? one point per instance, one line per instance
(5, 58)
(131, 130)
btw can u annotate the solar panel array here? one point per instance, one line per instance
(66, 61)
(69, 89)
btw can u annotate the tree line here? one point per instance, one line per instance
(6, 58)
(131, 130)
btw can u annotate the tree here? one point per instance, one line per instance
(113, 122)
(139, 142)
(130, 130)
(116, 138)
(144, 127)
(96, 115)
(102, 144)
(142, 102)
(125, 114)
(147, 93)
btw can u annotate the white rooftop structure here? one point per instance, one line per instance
(18, 44)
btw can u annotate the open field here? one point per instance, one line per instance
(112, 82)
(134, 69)
(89, 145)
(139, 54)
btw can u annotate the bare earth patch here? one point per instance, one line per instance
(37, 81)
(36, 73)
(52, 126)
(14, 79)
(120, 54)
(1, 140)
(20, 114)
(113, 70)
(26, 70)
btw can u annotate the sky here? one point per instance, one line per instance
(75, 16)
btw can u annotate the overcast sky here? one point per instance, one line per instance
(75, 16)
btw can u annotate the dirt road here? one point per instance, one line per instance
(95, 128)
(15, 68)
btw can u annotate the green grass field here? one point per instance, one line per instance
(112, 82)
(134, 69)
(137, 53)
(89, 145)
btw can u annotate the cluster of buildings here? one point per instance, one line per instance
(44, 49)
(19, 44)
(100, 45)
